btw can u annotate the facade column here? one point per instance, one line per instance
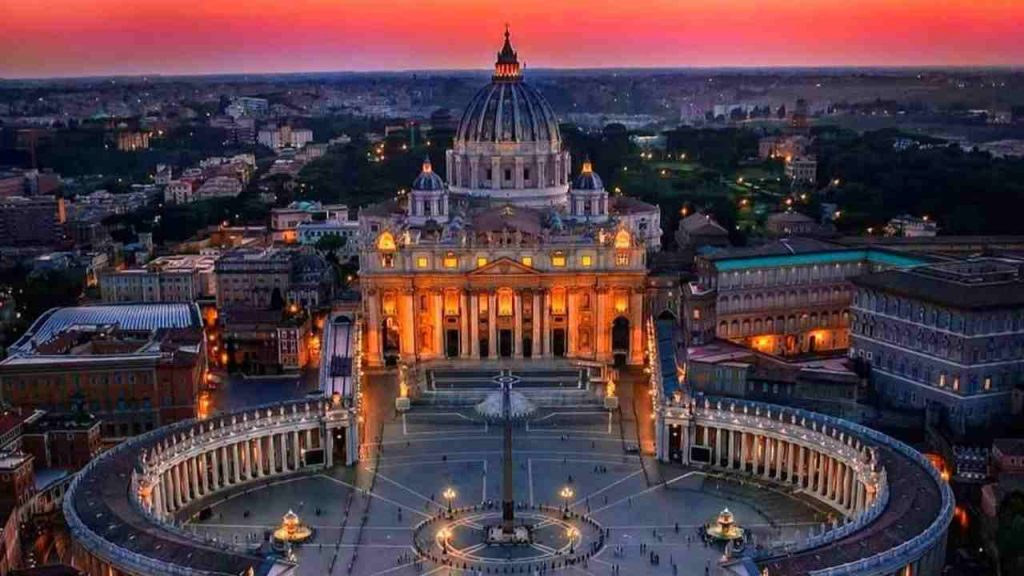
(406, 324)
(636, 326)
(474, 325)
(572, 323)
(546, 332)
(439, 350)
(602, 330)
(464, 336)
(492, 325)
(538, 319)
(517, 331)
(374, 355)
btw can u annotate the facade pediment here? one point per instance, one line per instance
(502, 267)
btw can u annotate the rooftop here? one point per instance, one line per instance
(141, 318)
(976, 284)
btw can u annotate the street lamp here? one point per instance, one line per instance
(449, 495)
(571, 533)
(566, 494)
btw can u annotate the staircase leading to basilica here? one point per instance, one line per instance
(545, 387)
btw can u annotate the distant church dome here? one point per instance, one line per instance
(428, 180)
(588, 179)
(508, 109)
(507, 147)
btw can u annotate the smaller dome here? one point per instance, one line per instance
(428, 180)
(588, 179)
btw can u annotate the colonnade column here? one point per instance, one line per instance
(732, 449)
(718, 446)
(295, 451)
(272, 453)
(743, 452)
(237, 462)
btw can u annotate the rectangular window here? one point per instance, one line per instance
(451, 303)
(622, 258)
(484, 302)
(526, 173)
(387, 260)
(508, 174)
(527, 260)
(451, 261)
(988, 383)
(558, 260)
(586, 261)
(421, 261)
(956, 383)
(481, 262)
(505, 298)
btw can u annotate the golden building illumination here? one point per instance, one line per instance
(513, 259)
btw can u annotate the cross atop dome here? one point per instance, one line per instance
(507, 66)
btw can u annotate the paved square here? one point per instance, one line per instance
(364, 518)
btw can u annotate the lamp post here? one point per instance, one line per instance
(566, 494)
(571, 534)
(449, 495)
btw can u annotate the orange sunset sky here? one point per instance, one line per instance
(87, 37)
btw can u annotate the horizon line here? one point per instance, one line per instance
(746, 68)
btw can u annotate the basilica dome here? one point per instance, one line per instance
(508, 111)
(507, 146)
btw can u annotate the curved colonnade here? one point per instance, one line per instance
(123, 508)
(892, 508)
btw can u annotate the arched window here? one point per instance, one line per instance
(622, 239)
(386, 242)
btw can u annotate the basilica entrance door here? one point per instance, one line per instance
(620, 340)
(675, 443)
(558, 342)
(505, 343)
(527, 347)
(451, 343)
(339, 446)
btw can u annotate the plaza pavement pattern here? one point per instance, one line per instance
(364, 517)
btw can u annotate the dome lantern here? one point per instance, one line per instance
(506, 68)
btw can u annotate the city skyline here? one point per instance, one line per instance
(114, 37)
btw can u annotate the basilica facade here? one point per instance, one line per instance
(513, 258)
